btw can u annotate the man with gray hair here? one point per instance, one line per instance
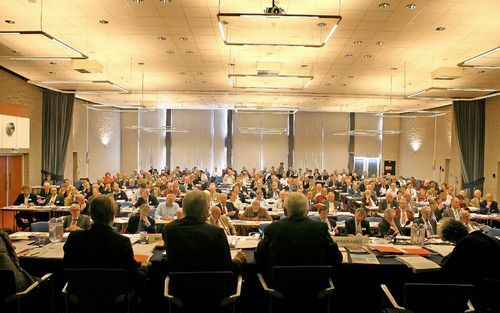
(193, 244)
(297, 240)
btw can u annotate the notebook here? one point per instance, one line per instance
(418, 264)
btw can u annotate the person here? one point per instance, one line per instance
(465, 219)
(54, 198)
(255, 213)
(389, 225)
(488, 206)
(329, 202)
(28, 199)
(428, 222)
(273, 192)
(76, 221)
(354, 191)
(436, 214)
(388, 202)
(297, 240)
(218, 219)
(233, 198)
(358, 225)
(167, 210)
(71, 196)
(454, 210)
(100, 246)
(403, 212)
(467, 262)
(191, 239)
(83, 203)
(146, 198)
(281, 201)
(259, 196)
(369, 199)
(476, 201)
(329, 221)
(227, 208)
(228, 178)
(10, 261)
(119, 194)
(44, 193)
(141, 222)
(214, 195)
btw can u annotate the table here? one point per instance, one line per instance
(488, 219)
(53, 211)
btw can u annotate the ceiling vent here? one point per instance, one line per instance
(87, 66)
(447, 73)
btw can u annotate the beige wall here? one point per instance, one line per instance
(390, 143)
(492, 146)
(16, 91)
(129, 143)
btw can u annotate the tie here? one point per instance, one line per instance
(223, 206)
(73, 221)
(358, 228)
(403, 217)
(429, 228)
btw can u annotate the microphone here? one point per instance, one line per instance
(399, 230)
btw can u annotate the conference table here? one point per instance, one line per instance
(353, 274)
(53, 211)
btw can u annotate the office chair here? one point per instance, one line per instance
(97, 290)
(202, 291)
(12, 301)
(40, 227)
(486, 299)
(374, 219)
(433, 298)
(298, 288)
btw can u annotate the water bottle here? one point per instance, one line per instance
(417, 234)
(56, 229)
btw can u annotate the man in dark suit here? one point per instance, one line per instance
(26, 198)
(358, 225)
(388, 202)
(389, 225)
(119, 194)
(145, 197)
(227, 208)
(192, 239)
(323, 217)
(488, 206)
(428, 222)
(44, 193)
(141, 222)
(369, 199)
(297, 240)
(54, 198)
(76, 221)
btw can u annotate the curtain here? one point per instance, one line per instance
(57, 117)
(469, 123)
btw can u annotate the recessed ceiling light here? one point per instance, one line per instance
(10, 22)
(140, 63)
(358, 42)
(203, 81)
(328, 84)
(231, 64)
(189, 51)
(170, 52)
(411, 6)
(481, 71)
(380, 43)
(182, 38)
(182, 73)
(333, 76)
(103, 22)
(348, 55)
(367, 56)
(224, 22)
(51, 72)
(200, 73)
(165, 1)
(343, 85)
(161, 38)
(304, 65)
(138, 1)
(440, 28)
(321, 24)
(52, 63)
(384, 5)
(14, 51)
(394, 68)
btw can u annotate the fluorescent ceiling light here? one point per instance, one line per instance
(459, 94)
(153, 129)
(270, 81)
(367, 132)
(81, 87)
(411, 114)
(263, 130)
(466, 63)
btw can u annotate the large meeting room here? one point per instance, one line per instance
(250, 156)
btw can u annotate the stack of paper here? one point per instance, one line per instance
(364, 258)
(418, 263)
(443, 250)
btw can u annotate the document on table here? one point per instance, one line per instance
(443, 250)
(243, 242)
(53, 250)
(418, 263)
(364, 258)
(144, 248)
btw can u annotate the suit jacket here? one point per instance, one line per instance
(331, 220)
(326, 203)
(44, 193)
(9, 261)
(189, 240)
(261, 214)
(385, 228)
(354, 193)
(58, 201)
(384, 205)
(20, 199)
(133, 225)
(297, 241)
(230, 208)
(225, 223)
(121, 195)
(350, 227)
(449, 213)
(83, 221)
(270, 193)
(409, 214)
(431, 221)
(151, 201)
(366, 201)
(475, 202)
(484, 210)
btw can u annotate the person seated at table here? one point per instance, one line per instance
(329, 202)
(354, 191)
(28, 199)
(488, 205)
(389, 225)
(436, 214)
(167, 210)
(218, 219)
(403, 213)
(255, 213)
(213, 194)
(297, 240)
(280, 204)
(146, 198)
(358, 225)
(274, 192)
(388, 202)
(454, 210)
(465, 219)
(141, 222)
(259, 195)
(72, 192)
(328, 220)
(475, 257)
(119, 194)
(476, 200)
(422, 195)
(76, 221)
(43, 193)
(83, 203)
(369, 199)
(54, 198)
(228, 178)
(192, 239)
(187, 184)
(227, 208)
(10, 261)
(259, 186)
(466, 200)
(429, 223)
(233, 198)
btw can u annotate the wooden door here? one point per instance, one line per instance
(15, 176)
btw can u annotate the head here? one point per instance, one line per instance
(465, 216)
(211, 188)
(103, 210)
(455, 203)
(195, 205)
(232, 196)
(275, 187)
(255, 205)
(452, 230)
(403, 204)
(75, 210)
(488, 197)
(477, 193)
(368, 193)
(295, 204)
(323, 212)
(215, 212)
(145, 193)
(389, 215)
(170, 199)
(331, 197)
(26, 190)
(259, 195)
(359, 215)
(53, 191)
(433, 205)
(144, 210)
(116, 187)
(46, 185)
(389, 197)
(223, 198)
(282, 195)
(426, 212)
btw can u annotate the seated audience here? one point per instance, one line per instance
(83, 203)
(141, 222)
(476, 201)
(255, 213)
(213, 194)
(259, 196)
(329, 203)
(403, 212)
(369, 199)
(218, 219)
(43, 193)
(146, 198)
(488, 205)
(354, 191)
(388, 202)
(429, 223)
(167, 210)
(195, 245)
(227, 208)
(465, 219)
(119, 194)
(389, 225)
(10, 261)
(328, 220)
(76, 221)
(454, 210)
(26, 198)
(358, 225)
(233, 198)
(72, 192)
(273, 192)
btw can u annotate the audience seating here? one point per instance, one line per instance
(40, 226)
(433, 298)
(12, 301)
(97, 290)
(299, 288)
(202, 291)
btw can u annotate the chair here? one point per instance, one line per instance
(160, 200)
(263, 226)
(343, 218)
(486, 295)
(40, 227)
(202, 291)
(433, 298)
(97, 290)
(374, 219)
(10, 299)
(299, 288)
(126, 204)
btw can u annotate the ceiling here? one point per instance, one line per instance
(172, 55)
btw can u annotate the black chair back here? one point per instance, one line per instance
(7, 285)
(97, 290)
(430, 298)
(486, 298)
(201, 291)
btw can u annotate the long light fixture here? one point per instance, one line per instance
(467, 63)
(426, 94)
(156, 129)
(116, 108)
(64, 86)
(367, 132)
(233, 81)
(263, 130)
(411, 114)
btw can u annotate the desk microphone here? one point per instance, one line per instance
(399, 231)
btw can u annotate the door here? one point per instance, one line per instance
(369, 166)
(15, 176)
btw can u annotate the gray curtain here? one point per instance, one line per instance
(57, 117)
(470, 119)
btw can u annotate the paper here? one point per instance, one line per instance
(234, 252)
(345, 257)
(143, 249)
(53, 250)
(364, 258)
(418, 263)
(443, 250)
(246, 243)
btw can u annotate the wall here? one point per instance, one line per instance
(16, 91)
(390, 143)
(129, 143)
(492, 146)
(152, 144)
